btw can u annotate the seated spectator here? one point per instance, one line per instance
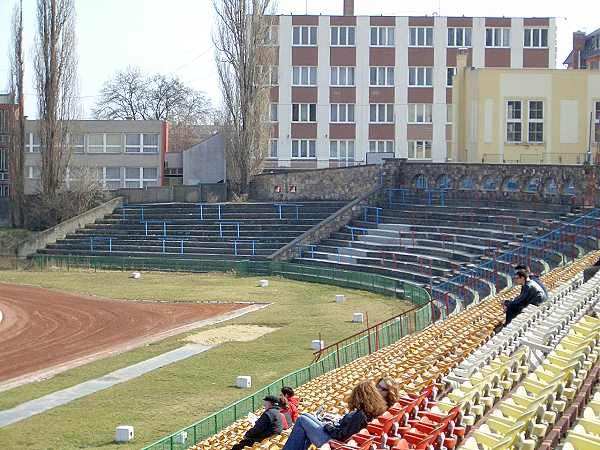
(365, 403)
(531, 294)
(533, 277)
(388, 390)
(269, 423)
(289, 405)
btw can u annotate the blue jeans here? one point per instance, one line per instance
(307, 430)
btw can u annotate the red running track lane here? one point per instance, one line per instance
(43, 328)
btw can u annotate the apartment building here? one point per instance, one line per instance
(586, 51)
(347, 86)
(116, 153)
(6, 108)
(534, 116)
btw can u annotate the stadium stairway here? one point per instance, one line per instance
(431, 244)
(187, 230)
(457, 375)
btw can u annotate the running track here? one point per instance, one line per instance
(42, 328)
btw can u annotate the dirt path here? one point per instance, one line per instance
(43, 328)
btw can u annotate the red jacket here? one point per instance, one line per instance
(292, 407)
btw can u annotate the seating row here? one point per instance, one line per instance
(414, 361)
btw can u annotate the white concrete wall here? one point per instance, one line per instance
(285, 90)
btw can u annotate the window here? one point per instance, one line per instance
(3, 160)
(3, 121)
(419, 149)
(497, 37)
(420, 36)
(32, 143)
(271, 75)
(304, 36)
(273, 112)
(513, 121)
(342, 113)
(381, 113)
(381, 146)
(273, 148)
(32, 172)
(77, 143)
(343, 36)
(304, 148)
(304, 76)
(112, 177)
(535, 37)
(459, 37)
(420, 76)
(342, 76)
(449, 113)
(96, 143)
(382, 36)
(381, 76)
(150, 176)
(304, 112)
(597, 120)
(535, 124)
(141, 143)
(450, 72)
(342, 149)
(132, 177)
(272, 37)
(113, 143)
(419, 112)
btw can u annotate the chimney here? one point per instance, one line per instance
(462, 60)
(578, 44)
(348, 7)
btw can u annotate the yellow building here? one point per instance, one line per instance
(545, 116)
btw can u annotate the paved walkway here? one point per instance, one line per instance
(39, 405)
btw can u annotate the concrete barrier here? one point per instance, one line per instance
(40, 240)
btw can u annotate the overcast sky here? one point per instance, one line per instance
(174, 36)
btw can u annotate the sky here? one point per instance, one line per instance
(174, 36)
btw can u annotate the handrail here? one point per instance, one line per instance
(308, 234)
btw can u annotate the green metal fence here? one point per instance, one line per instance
(337, 277)
(376, 337)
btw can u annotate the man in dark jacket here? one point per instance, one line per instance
(268, 424)
(531, 294)
(533, 277)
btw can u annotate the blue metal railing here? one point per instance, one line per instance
(101, 239)
(236, 224)
(280, 207)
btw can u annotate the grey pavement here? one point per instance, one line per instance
(39, 405)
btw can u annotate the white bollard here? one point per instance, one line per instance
(136, 275)
(243, 382)
(263, 283)
(340, 298)
(358, 318)
(124, 433)
(317, 344)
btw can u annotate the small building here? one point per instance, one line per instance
(586, 51)
(115, 153)
(205, 162)
(534, 115)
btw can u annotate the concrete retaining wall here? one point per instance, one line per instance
(43, 238)
(324, 228)
(209, 193)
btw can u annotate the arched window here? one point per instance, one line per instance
(466, 184)
(533, 185)
(421, 182)
(490, 184)
(511, 185)
(551, 186)
(444, 182)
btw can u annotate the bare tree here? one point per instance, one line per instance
(132, 95)
(55, 66)
(16, 156)
(242, 60)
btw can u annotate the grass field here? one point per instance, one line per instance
(174, 396)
